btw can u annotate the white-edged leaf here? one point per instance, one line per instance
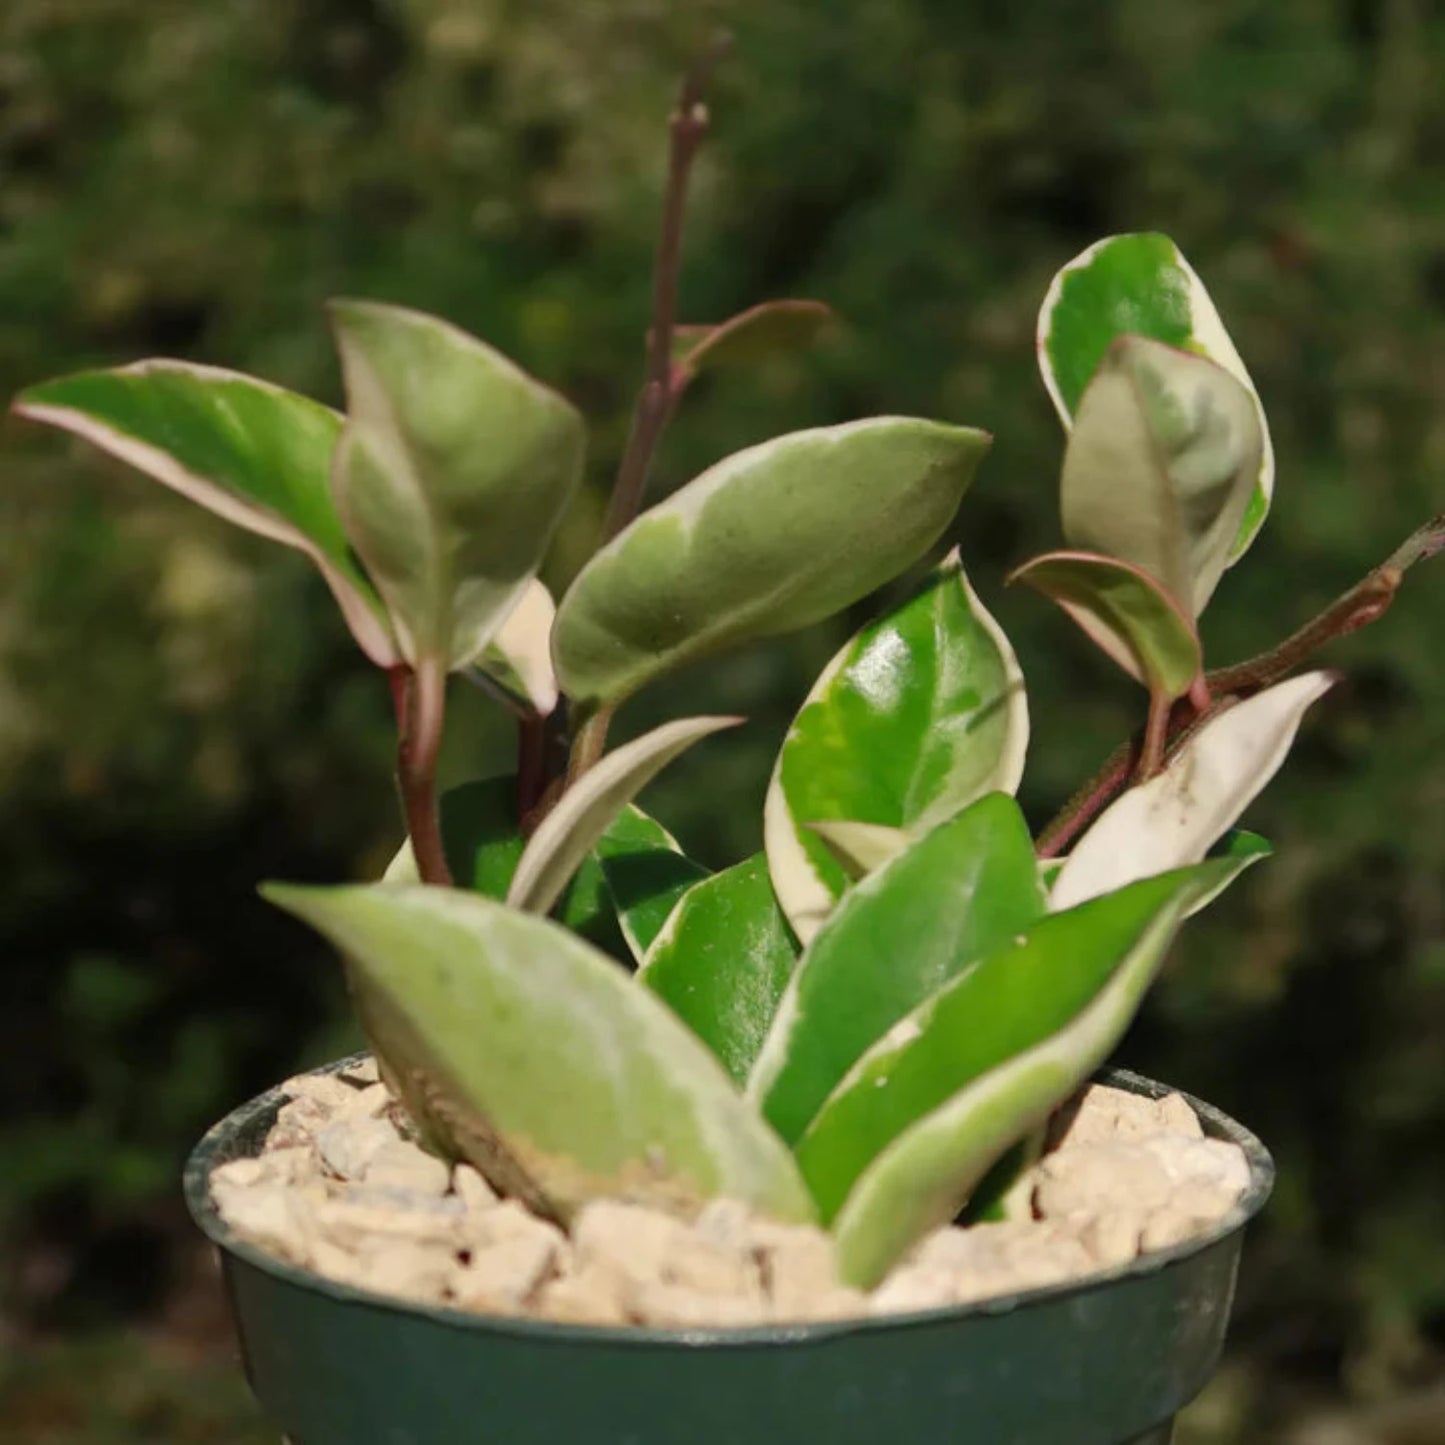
(519, 657)
(251, 452)
(526, 1051)
(921, 713)
(585, 811)
(451, 475)
(859, 848)
(646, 873)
(1176, 817)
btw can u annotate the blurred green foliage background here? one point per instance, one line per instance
(181, 712)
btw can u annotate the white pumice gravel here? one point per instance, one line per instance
(342, 1188)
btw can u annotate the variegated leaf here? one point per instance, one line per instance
(772, 539)
(521, 1048)
(248, 451)
(920, 714)
(1140, 284)
(519, 658)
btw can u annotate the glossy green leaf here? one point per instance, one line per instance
(521, 1048)
(1141, 285)
(451, 475)
(587, 809)
(646, 873)
(1161, 465)
(920, 714)
(896, 937)
(903, 1141)
(1125, 612)
(250, 452)
(772, 539)
(722, 961)
(519, 658)
(751, 336)
(1176, 817)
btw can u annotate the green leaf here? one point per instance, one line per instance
(526, 1051)
(927, 914)
(920, 714)
(1141, 285)
(751, 336)
(903, 1141)
(770, 540)
(646, 874)
(1125, 612)
(519, 658)
(588, 808)
(451, 475)
(250, 452)
(1160, 465)
(1176, 817)
(722, 961)
(860, 848)
(482, 838)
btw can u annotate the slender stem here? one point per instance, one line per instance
(1363, 604)
(420, 696)
(588, 744)
(1156, 734)
(531, 763)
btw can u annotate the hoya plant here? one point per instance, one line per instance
(868, 1023)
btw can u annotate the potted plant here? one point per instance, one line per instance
(880, 1024)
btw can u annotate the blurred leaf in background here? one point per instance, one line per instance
(181, 712)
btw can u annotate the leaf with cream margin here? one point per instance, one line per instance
(1140, 284)
(772, 539)
(723, 960)
(250, 452)
(645, 873)
(1211, 778)
(587, 809)
(904, 1139)
(859, 848)
(952, 897)
(451, 475)
(1125, 612)
(1160, 465)
(920, 714)
(519, 657)
(525, 1051)
(749, 337)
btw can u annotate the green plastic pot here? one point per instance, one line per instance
(1104, 1361)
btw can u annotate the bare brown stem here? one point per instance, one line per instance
(420, 698)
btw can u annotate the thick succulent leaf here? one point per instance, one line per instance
(1142, 285)
(1176, 817)
(587, 809)
(519, 658)
(906, 1137)
(1126, 612)
(251, 452)
(920, 714)
(896, 937)
(646, 873)
(452, 473)
(772, 539)
(1161, 465)
(523, 1049)
(859, 848)
(751, 336)
(722, 961)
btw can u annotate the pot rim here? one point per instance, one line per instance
(211, 1151)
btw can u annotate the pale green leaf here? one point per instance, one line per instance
(451, 475)
(526, 1051)
(1141, 285)
(920, 714)
(246, 450)
(905, 1138)
(1176, 817)
(1125, 612)
(953, 896)
(722, 961)
(751, 336)
(772, 539)
(588, 808)
(1161, 464)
